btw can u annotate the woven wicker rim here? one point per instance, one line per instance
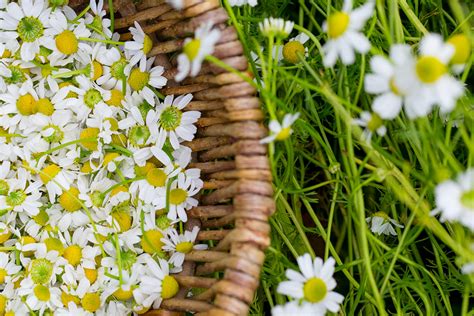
(236, 201)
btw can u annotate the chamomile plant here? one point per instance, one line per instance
(94, 184)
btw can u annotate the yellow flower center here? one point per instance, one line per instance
(3, 274)
(42, 293)
(73, 254)
(467, 199)
(26, 105)
(178, 196)
(3, 303)
(91, 275)
(147, 44)
(91, 302)
(119, 139)
(116, 98)
(375, 122)
(69, 200)
(4, 187)
(87, 167)
(283, 134)
(67, 298)
(151, 241)
(315, 290)
(90, 132)
(5, 236)
(138, 79)
(67, 42)
(292, 52)
(41, 270)
(169, 287)
(44, 106)
(184, 247)
(382, 215)
(54, 244)
(25, 240)
(143, 171)
(92, 97)
(123, 220)
(123, 295)
(6, 54)
(462, 48)
(337, 24)
(429, 69)
(118, 189)
(48, 173)
(191, 49)
(97, 70)
(156, 177)
(394, 87)
(109, 157)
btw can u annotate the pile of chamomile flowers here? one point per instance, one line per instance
(94, 179)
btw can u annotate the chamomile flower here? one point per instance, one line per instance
(462, 51)
(372, 122)
(174, 123)
(293, 308)
(383, 81)
(63, 39)
(273, 27)
(381, 223)
(89, 95)
(152, 187)
(455, 199)
(139, 47)
(8, 268)
(281, 131)
(26, 21)
(315, 284)
(344, 33)
(115, 69)
(55, 179)
(181, 244)
(143, 78)
(40, 297)
(98, 21)
(46, 264)
(290, 51)
(196, 49)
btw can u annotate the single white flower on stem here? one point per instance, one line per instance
(289, 51)
(196, 49)
(344, 32)
(145, 77)
(181, 244)
(276, 27)
(382, 81)
(427, 79)
(372, 122)
(141, 45)
(280, 131)
(315, 284)
(381, 223)
(455, 199)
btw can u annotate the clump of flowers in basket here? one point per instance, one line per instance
(95, 182)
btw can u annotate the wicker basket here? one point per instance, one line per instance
(237, 199)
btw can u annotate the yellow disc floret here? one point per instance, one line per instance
(26, 105)
(91, 302)
(44, 106)
(91, 275)
(169, 287)
(178, 196)
(67, 42)
(42, 293)
(429, 69)
(73, 254)
(184, 247)
(54, 244)
(292, 51)
(69, 200)
(97, 70)
(48, 173)
(123, 295)
(5, 235)
(116, 98)
(91, 134)
(147, 44)
(67, 298)
(3, 274)
(337, 24)
(143, 171)
(191, 48)
(3, 303)
(25, 240)
(315, 290)
(138, 79)
(156, 177)
(462, 49)
(151, 241)
(123, 220)
(283, 134)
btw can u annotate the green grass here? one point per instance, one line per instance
(327, 179)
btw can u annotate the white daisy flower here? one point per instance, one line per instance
(40, 297)
(14, 305)
(462, 52)
(455, 199)
(239, 3)
(381, 223)
(290, 51)
(46, 266)
(98, 21)
(344, 32)
(55, 179)
(115, 69)
(293, 308)
(76, 248)
(89, 95)
(156, 285)
(175, 124)
(315, 284)
(372, 123)
(141, 45)
(273, 27)
(143, 77)
(8, 268)
(152, 187)
(181, 244)
(26, 21)
(280, 131)
(427, 79)
(123, 289)
(63, 39)
(383, 81)
(181, 198)
(196, 49)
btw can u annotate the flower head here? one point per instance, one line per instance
(280, 131)
(276, 27)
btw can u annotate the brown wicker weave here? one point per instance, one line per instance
(237, 202)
